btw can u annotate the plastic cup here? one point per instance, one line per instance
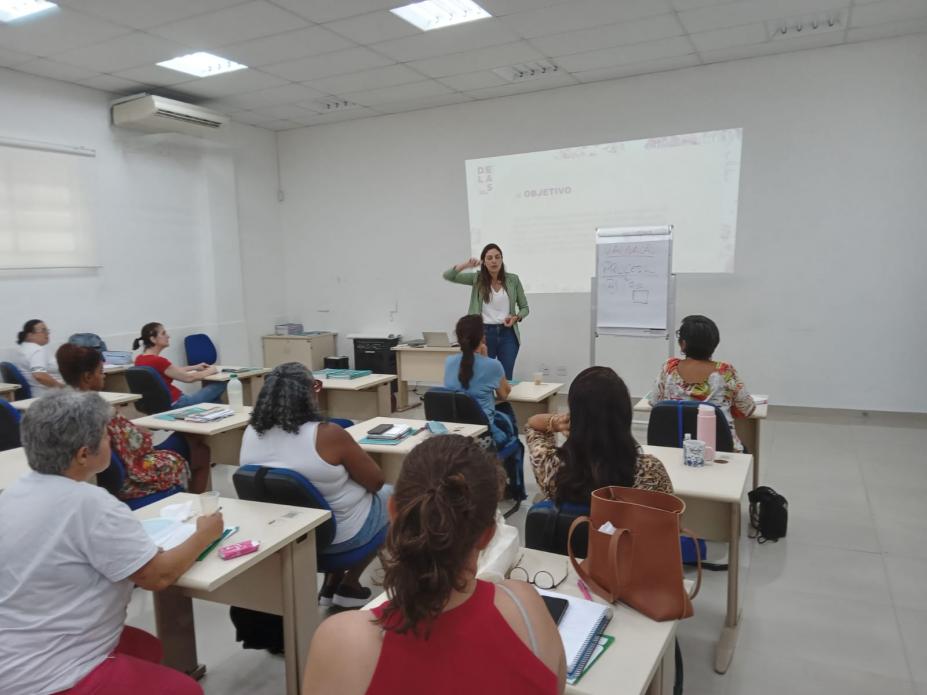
(209, 502)
(538, 378)
(694, 452)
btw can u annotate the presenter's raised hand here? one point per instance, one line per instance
(469, 263)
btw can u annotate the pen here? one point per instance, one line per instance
(225, 534)
(584, 589)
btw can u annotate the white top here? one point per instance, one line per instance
(496, 310)
(68, 549)
(350, 501)
(32, 358)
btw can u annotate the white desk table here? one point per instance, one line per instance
(12, 465)
(222, 436)
(528, 398)
(425, 364)
(357, 399)
(7, 391)
(113, 398)
(252, 381)
(713, 495)
(280, 578)
(391, 456)
(114, 378)
(748, 430)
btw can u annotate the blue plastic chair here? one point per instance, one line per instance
(11, 375)
(147, 383)
(9, 426)
(200, 348)
(112, 478)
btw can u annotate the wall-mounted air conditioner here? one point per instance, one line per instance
(161, 115)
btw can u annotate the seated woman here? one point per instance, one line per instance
(443, 631)
(34, 358)
(148, 470)
(71, 555)
(480, 376)
(699, 378)
(155, 339)
(599, 450)
(287, 431)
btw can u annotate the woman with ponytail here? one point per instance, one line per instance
(154, 340)
(443, 630)
(480, 376)
(287, 431)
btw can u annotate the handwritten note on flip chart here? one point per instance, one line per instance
(632, 278)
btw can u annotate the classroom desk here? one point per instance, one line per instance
(390, 457)
(424, 364)
(12, 465)
(280, 578)
(222, 436)
(748, 430)
(713, 495)
(114, 378)
(528, 398)
(7, 391)
(356, 399)
(115, 399)
(252, 381)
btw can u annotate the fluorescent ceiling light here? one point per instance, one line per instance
(436, 14)
(17, 9)
(202, 64)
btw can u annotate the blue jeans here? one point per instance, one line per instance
(502, 345)
(210, 393)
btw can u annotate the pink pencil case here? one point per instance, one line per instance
(238, 549)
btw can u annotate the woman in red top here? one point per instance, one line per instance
(155, 339)
(444, 630)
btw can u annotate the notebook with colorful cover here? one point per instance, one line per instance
(580, 629)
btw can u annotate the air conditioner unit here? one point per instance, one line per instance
(161, 115)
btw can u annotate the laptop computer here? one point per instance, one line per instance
(437, 339)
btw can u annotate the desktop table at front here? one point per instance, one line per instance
(391, 456)
(251, 378)
(222, 436)
(357, 399)
(528, 398)
(113, 398)
(280, 578)
(13, 464)
(425, 364)
(114, 378)
(7, 391)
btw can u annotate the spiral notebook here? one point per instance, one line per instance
(580, 629)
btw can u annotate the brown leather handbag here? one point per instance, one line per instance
(640, 564)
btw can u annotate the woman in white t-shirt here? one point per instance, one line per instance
(71, 555)
(287, 431)
(35, 360)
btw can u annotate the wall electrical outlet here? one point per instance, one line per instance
(544, 369)
(561, 371)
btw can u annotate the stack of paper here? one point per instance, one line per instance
(397, 431)
(210, 414)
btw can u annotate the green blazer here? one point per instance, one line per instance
(512, 287)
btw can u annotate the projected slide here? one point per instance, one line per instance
(543, 208)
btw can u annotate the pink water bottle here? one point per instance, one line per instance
(705, 430)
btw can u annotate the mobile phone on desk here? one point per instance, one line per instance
(556, 607)
(436, 427)
(379, 429)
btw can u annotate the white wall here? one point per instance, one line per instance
(166, 214)
(826, 305)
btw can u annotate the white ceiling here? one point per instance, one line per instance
(304, 54)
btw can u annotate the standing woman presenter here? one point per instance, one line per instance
(498, 297)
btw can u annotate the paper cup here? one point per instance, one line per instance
(209, 502)
(537, 377)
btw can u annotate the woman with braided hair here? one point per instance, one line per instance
(287, 431)
(443, 630)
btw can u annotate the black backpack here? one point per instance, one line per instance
(257, 630)
(769, 514)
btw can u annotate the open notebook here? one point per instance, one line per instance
(580, 628)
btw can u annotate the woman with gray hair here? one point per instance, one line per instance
(71, 554)
(287, 431)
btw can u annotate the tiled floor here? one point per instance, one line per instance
(837, 607)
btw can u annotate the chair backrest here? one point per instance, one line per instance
(147, 383)
(200, 348)
(445, 405)
(11, 375)
(112, 478)
(671, 420)
(547, 528)
(9, 426)
(283, 486)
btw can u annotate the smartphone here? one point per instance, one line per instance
(555, 606)
(379, 429)
(436, 427)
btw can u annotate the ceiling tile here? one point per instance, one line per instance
(281, 125)
(373, 27)
(497, 8)
(682, 5)
(473, 80)
(483, 59)
(732, 36)
(582, 14)
(275, 96)
(289, 112)
(888, 11)
(231, 83)
(287, 46)
(622, 55)
(10, 58)
(321, 11)
(115, 85)
(123, 52)
(337, 63)
(771, 47)
(423, 103)
(234, 24)
(644, 68)
(885, 31)
(56, 71)
(338, 116)
(403, 92)
(648, 29)
(142, 14)
(56, 31)
(749, 11)
(463, 37)
(560, 79)
(389, 76)
(249, 117)
(155, 75)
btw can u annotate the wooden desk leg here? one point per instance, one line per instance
(748, 430)
(384, 400)
(663, 677)
(724, 651)
(174, 625)
(756, 453)
(402, 395)
(300, 607)
(252, 388)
